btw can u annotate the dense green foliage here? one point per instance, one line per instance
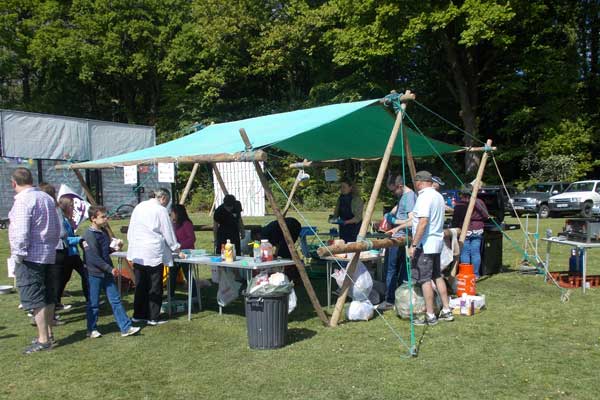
(524, 73)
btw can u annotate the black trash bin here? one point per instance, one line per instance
(267, 321)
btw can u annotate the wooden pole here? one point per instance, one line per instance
(339, 305)
(291, 196)
(286, 234)
(225, 192)
(257, 155)
(188, 185)
(90, 196)
(220, 179)
(365, 246)
(409, 157)
(472, 200)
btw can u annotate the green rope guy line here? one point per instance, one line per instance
(435, 150)
(448, 122)
(413, 339)
(337, 262)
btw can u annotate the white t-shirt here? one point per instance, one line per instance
(430, 204)
(150, 236)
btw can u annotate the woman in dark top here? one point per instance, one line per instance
(228, 217)
(471, 252)
(349, 211)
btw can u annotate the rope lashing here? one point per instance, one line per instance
(392, 100)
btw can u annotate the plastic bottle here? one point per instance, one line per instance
(256, 252)
(465, 280)
(266, 250)
(575, 264)
(463, 304)
(228, 251)
(222, 251)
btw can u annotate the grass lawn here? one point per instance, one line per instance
(527, 344)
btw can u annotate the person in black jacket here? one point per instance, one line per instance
(101, 274)
(228, 217)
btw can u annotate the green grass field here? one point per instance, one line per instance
(526, 345)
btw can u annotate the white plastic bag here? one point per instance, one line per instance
(292, 301)
(403, 297)
(362, 282)
(446, 257)
(360, 311)
(228, 288)
(214, 274)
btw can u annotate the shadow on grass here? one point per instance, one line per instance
(296, 335)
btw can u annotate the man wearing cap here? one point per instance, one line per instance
(426, 247)
(400, 217)
(437, 185)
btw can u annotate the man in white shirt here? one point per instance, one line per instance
(426, 247)
(151, 242)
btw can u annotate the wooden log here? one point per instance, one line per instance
(219, 179)
(291, 196)
(286, 234)
(376, 244)
(472, 200)
(257, 155)
(339, 305)
(409, 159)
(188, 185)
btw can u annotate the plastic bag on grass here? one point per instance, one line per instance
(360, 311)
(229, 288)
(292, 301)
(362, 282)
(403, 301)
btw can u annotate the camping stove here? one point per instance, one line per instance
(582, 229)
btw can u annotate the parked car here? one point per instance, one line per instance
(535, 198)
(512, 191)
(580, 197)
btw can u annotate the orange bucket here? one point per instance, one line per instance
(466, 280)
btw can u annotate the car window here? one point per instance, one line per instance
(541, 188)
(597, 187)
(580, 187)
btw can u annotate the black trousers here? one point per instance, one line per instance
(54, 278)
(71, 263)
(148, 291)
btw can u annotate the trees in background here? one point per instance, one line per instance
(524, 73)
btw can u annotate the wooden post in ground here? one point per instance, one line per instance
(286, 234)
(188, 185)
(339, 305)
(409, 160)
(90, 197)
(225, 192)
(472, 200)
(291, 196)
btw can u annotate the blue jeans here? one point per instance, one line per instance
(396, 265)
(107, 282)
(471, 252)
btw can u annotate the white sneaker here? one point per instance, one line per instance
(94, 334)
(154, 322)
(132, 331)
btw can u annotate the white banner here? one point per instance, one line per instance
(166, 172)
(130, 174)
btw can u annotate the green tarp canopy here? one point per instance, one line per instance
(358, 130)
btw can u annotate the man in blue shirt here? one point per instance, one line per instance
(400, 218)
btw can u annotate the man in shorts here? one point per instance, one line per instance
(426, 247)
(33, 234)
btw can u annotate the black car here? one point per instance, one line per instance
(503, 197)
(534, 199)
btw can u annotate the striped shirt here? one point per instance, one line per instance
(34, 227)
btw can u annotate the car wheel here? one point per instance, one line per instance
(544, 211)
(586, 210)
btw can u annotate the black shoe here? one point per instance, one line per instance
(446, 316)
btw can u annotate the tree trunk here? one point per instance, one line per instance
(25, 74)
(466, 93)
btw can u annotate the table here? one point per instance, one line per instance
(581, 246)
(370, 257)
(246, 264)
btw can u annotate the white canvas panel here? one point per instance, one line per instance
(241, 181)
